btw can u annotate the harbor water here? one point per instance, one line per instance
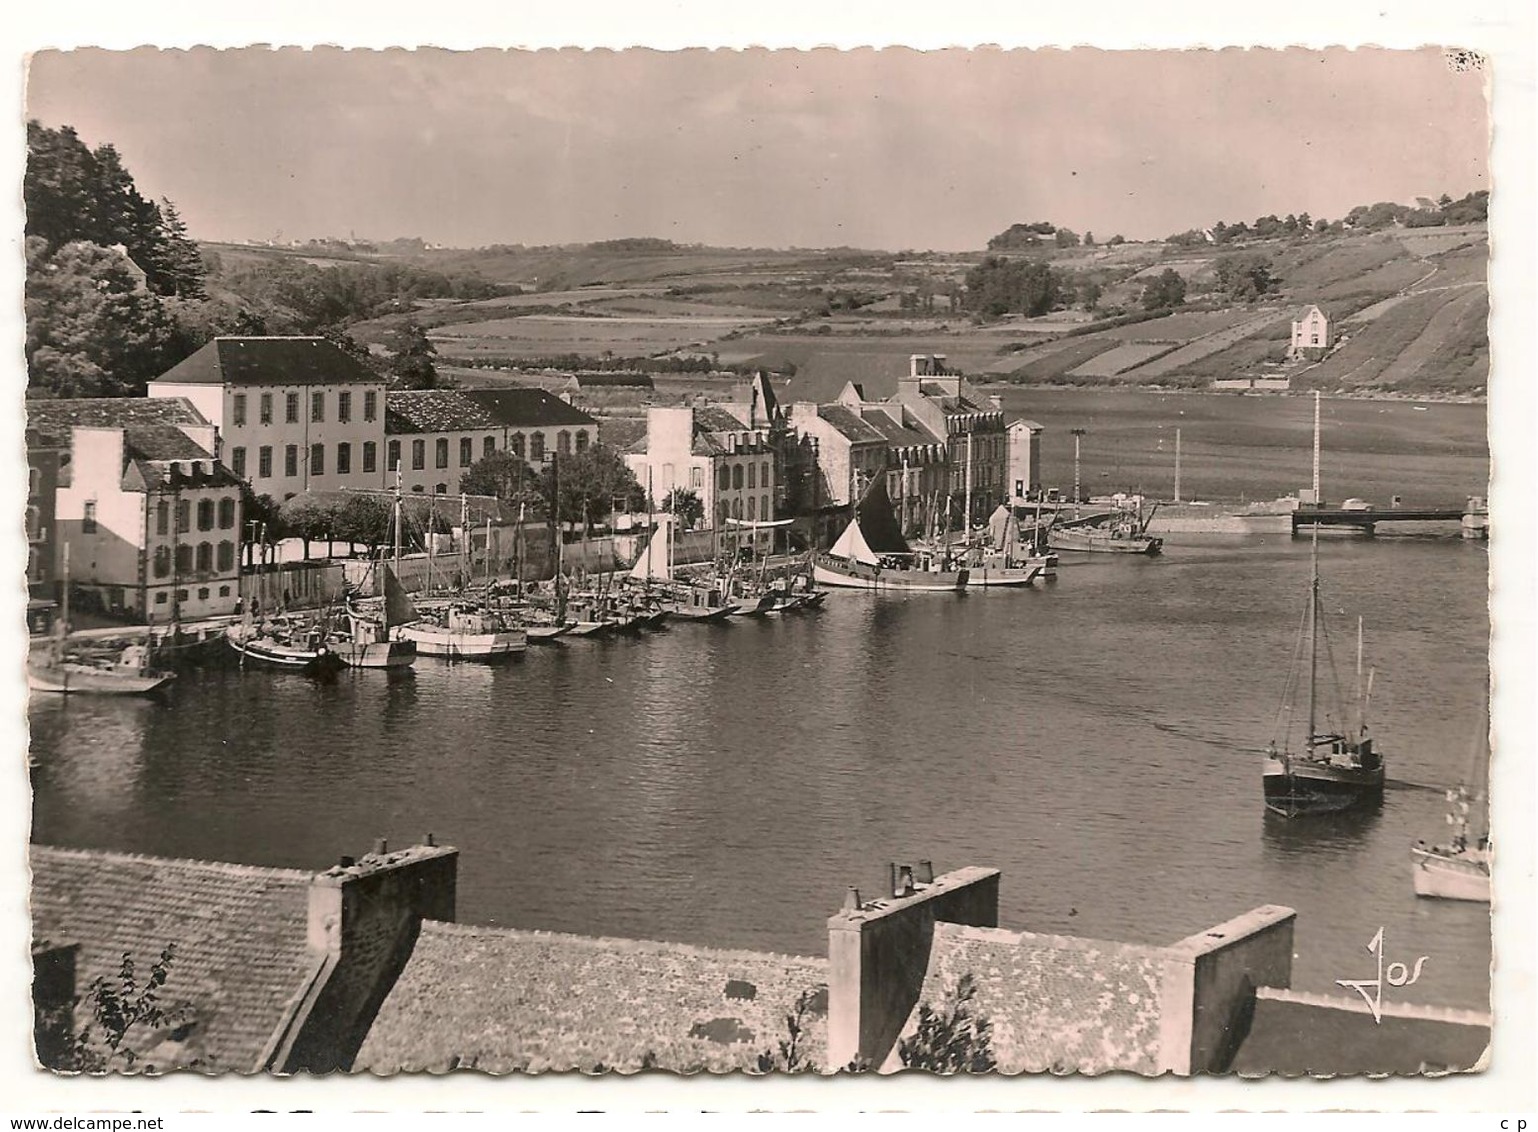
(1099, 739)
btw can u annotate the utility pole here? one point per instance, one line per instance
(1177, 465)
(1077, 433)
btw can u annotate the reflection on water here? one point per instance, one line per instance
(1098, 740)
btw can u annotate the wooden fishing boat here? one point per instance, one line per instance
(1333, 767)
(51, 670)
(295, 644)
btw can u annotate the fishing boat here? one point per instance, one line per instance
(1334, 767)
(1460, 869)
(1120, 532)
(373, 639)
(679, 598)
(465, 631)
(53, 667)
(293, 643)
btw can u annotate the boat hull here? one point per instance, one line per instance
(540, 634)
(841, 573)
(700, 613)
(78, 679)
(1105, 544)
(1449, 874)
(448, 644)
(271, 653)
(1317, 788)
(376, 654)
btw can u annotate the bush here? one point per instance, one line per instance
(956, 1041)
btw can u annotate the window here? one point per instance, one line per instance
(752, 507)
(317, 459)
(202, 593)
(205, 514)
(466, 452)
(264, 461)
(205, 557)
(370, 405)
(160, 599)
(537, 446)
(238, 462)
(34, 481)
(291, 460)
(737, 477)
(181, 595)
(516, 443)
(224, 591)
(291, 408)
(418, 455)
(370, 456)
(162, 517)
(240, 410)
(582, 440)
(696, 477)
(1316, 340)
(392, 455)
(266, 408)
(418, 488)
(752, 475)
(344, 407)
(88, 519)
(226, 555)
(763, 476)
(726, 478)
(183, 560)
(763, 508)
(317, 406)
(441, 452)
(183, 516)
(162, 561)
(488, 446)
(440, 489)
(343, 459)
(226, 513)
(563, 442)
(737, 508)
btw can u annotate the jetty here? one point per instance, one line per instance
(1473, 517)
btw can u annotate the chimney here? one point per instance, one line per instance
(53, 1001)
(364, 918)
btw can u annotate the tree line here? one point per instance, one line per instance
(1473, 208)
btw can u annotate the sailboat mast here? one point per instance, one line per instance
(395, 516)
(651, 529)
(967, 506)
(1313, 638)
(1317, 500)
(1360, 707)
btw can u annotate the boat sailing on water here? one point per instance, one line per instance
(1332, 768)
(1460, 869)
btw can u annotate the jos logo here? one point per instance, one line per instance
(1396, 975)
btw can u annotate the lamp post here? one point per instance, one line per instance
(1077, 433)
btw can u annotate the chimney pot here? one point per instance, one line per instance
(852, 899)
(926, 873)
(345, 862)
(381, 847)
(430, 842)
(904, 885)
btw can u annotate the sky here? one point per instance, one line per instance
(890, 149)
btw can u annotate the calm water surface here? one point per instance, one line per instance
(1098, 739)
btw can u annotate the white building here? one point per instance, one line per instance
(292, 414)
(708, 450)
(1311, 333)
(1024, 477)
(151, 520)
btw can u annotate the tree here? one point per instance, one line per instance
(590, 482)
(263, 519)
(411, 367)
(365, 519)
(686, 504)
(1089, 239)
(91, 332)
(1166, 290)
(175, 257)
(954, 1041)
(122, 1011)
(1244, 277)
(1089, 294)
(1000, 286)
(1066, 238)
(503, 475)
(1116, 241)
(309, 519)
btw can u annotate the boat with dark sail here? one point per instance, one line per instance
(1334, 766)
(1460, 868)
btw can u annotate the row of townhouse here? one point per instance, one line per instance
(144, 494)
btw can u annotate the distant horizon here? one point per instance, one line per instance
(896, 149)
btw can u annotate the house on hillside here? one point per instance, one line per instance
(1312, 334)
(151, 520)
(293, 414)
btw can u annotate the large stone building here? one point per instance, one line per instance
(292, 414)
(708, 450)
(150, 519)
(971, 425)
(536, 425)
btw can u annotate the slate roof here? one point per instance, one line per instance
(896, 433)
(434, 410)
(527, 408)
(497, 1000)
(270, 361)
(850, 424)
(1055, 1002)
(1034, 426)
(610, 379)
(54, 419)
(715, 418)
(623, 433)
(161, 442)
(239, 933)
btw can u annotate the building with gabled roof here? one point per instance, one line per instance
(709, 450)
(1313, 333)
(150, 518)
(293, 413)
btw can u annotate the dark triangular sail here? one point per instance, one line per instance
(399, 609)
(878, 522)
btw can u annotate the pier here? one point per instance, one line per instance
(1473, 518)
